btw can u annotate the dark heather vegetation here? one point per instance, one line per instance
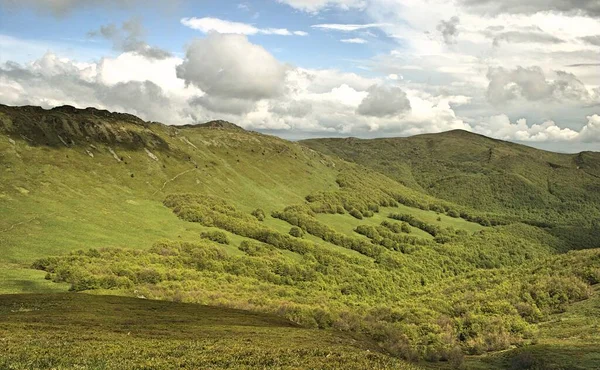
(107, 332)
(423, 257)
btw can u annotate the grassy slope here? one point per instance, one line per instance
(56, 199)
(483, 173)
(108, 332)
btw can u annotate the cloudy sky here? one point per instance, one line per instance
(525, 71)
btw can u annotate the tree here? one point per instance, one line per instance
(259, 214)
(296, 232)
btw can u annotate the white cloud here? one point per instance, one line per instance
(500, 127)
(230, 66)
(354, 41)
(591, 132)
(589, 7)
(314, 6)
(347, 27)
(208, 24)
(52, 81)
(384, 101)
(531, 84)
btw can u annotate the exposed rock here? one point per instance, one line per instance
(185, 140)
(151, 155)
(115, 156)
(218, 124)
(63, 140)
(67, 125)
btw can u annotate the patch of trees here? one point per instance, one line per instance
(213, 212)
(304, 219)
(433, 230)
(405, 306)
(396, 227)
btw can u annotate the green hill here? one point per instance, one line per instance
(545, 188)
(105, 203)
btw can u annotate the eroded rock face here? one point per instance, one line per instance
(217, 124)
(69, 126)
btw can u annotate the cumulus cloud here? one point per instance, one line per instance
(208, 24)
(383, 101)
(228, 65)
(449, 29)
(591, 132)
(63, 82)
(587, 7)
(314, 6)
(129, 38)
(531, 84)
(233, 106)
(501, 127)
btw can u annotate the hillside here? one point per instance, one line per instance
(558, 190)
(107, 204)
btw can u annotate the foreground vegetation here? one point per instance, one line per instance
(67, 331)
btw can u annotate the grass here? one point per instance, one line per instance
(16, 279)
(59, 331)
(432, 218)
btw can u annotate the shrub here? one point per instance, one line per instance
(453, 213)
(356, 213)
(216, 236)
(405, 228)
(256, 249)
(297, 232)
(259, 214)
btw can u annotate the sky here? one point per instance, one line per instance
(523, 71)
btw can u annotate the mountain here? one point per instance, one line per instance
(560, 190)
(351, 256)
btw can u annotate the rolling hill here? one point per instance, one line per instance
(551, 189)
(363, 255)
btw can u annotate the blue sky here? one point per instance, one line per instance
(306, 68)
(320, 49)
